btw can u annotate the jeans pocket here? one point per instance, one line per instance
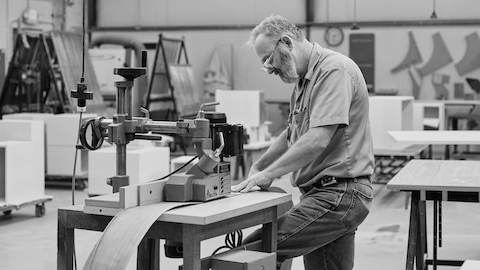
(361, 201)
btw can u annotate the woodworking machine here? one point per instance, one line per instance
(212, 137)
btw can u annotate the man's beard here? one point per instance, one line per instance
(288, 74)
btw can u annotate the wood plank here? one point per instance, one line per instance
(234, 205)
(128, 196)
(109, 201)
(437, 137)
(438, 175)
(123, 235)
(152, 192)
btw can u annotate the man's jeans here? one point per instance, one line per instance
(322, 226)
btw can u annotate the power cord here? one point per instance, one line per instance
(177, 170)
(78, 147)
(232, 240)
(81, 87)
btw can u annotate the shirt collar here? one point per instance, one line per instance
(315, 55)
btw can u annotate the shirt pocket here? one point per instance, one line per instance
(298, 125)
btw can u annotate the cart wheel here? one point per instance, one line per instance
(40, 210)
(7, 213)
(81, 184)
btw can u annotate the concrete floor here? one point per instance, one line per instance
(28, 242)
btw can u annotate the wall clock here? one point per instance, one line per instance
(334, 36)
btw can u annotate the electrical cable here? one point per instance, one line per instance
(232, 240)
(177, 170)
(78, 146)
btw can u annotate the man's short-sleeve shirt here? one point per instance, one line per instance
(333, 92)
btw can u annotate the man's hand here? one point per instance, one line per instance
(260, 179)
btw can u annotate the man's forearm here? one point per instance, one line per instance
(275, 150)
(302, 152)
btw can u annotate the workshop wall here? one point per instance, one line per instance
(391, 41)
(13, 16)
(207, 24)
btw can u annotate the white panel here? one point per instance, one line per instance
(104, 60)
(390, 113)
(62, 129)
(399, 10)
(60, 160)
(245, 107)
(431, 114)
(23, 172)
(143, 164)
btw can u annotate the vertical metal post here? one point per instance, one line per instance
(121, 148)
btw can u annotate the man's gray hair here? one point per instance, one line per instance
(274, 26)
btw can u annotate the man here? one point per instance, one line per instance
(327, 146)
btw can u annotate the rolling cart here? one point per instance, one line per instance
(39, 206)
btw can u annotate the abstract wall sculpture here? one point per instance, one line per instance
(416, 81)
(413, 56)
(440, 56)
(471, 58)
(439, 81)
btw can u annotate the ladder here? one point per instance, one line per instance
(40, 63)
(30, 77)
(160, 96)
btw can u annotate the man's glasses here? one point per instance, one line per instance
(268, 63)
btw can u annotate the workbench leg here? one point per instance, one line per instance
(148, 256)
(269, 233)
(414, 248)
(191, 247)
(421, 235)
(65, 243)
(435, 234)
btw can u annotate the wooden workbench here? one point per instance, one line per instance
(189, 224)
(438, 137)
(436, 180)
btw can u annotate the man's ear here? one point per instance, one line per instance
(288, 41)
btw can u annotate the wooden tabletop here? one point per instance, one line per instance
(234, 205)
(436, 136)
(452, 102)
(225, 208)
(438, 175)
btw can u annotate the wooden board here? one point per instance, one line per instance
(431, 137)
(149, 193)
(123, 235)
(438, 175)
(109, 201)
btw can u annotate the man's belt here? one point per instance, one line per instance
(332, 180)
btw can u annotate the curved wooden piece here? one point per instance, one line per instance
(471, 59)
(123, 235)
(441, 92)
(415, 83)
(413, 55)
(440, 56)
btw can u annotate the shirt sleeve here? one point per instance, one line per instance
(331, 98)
